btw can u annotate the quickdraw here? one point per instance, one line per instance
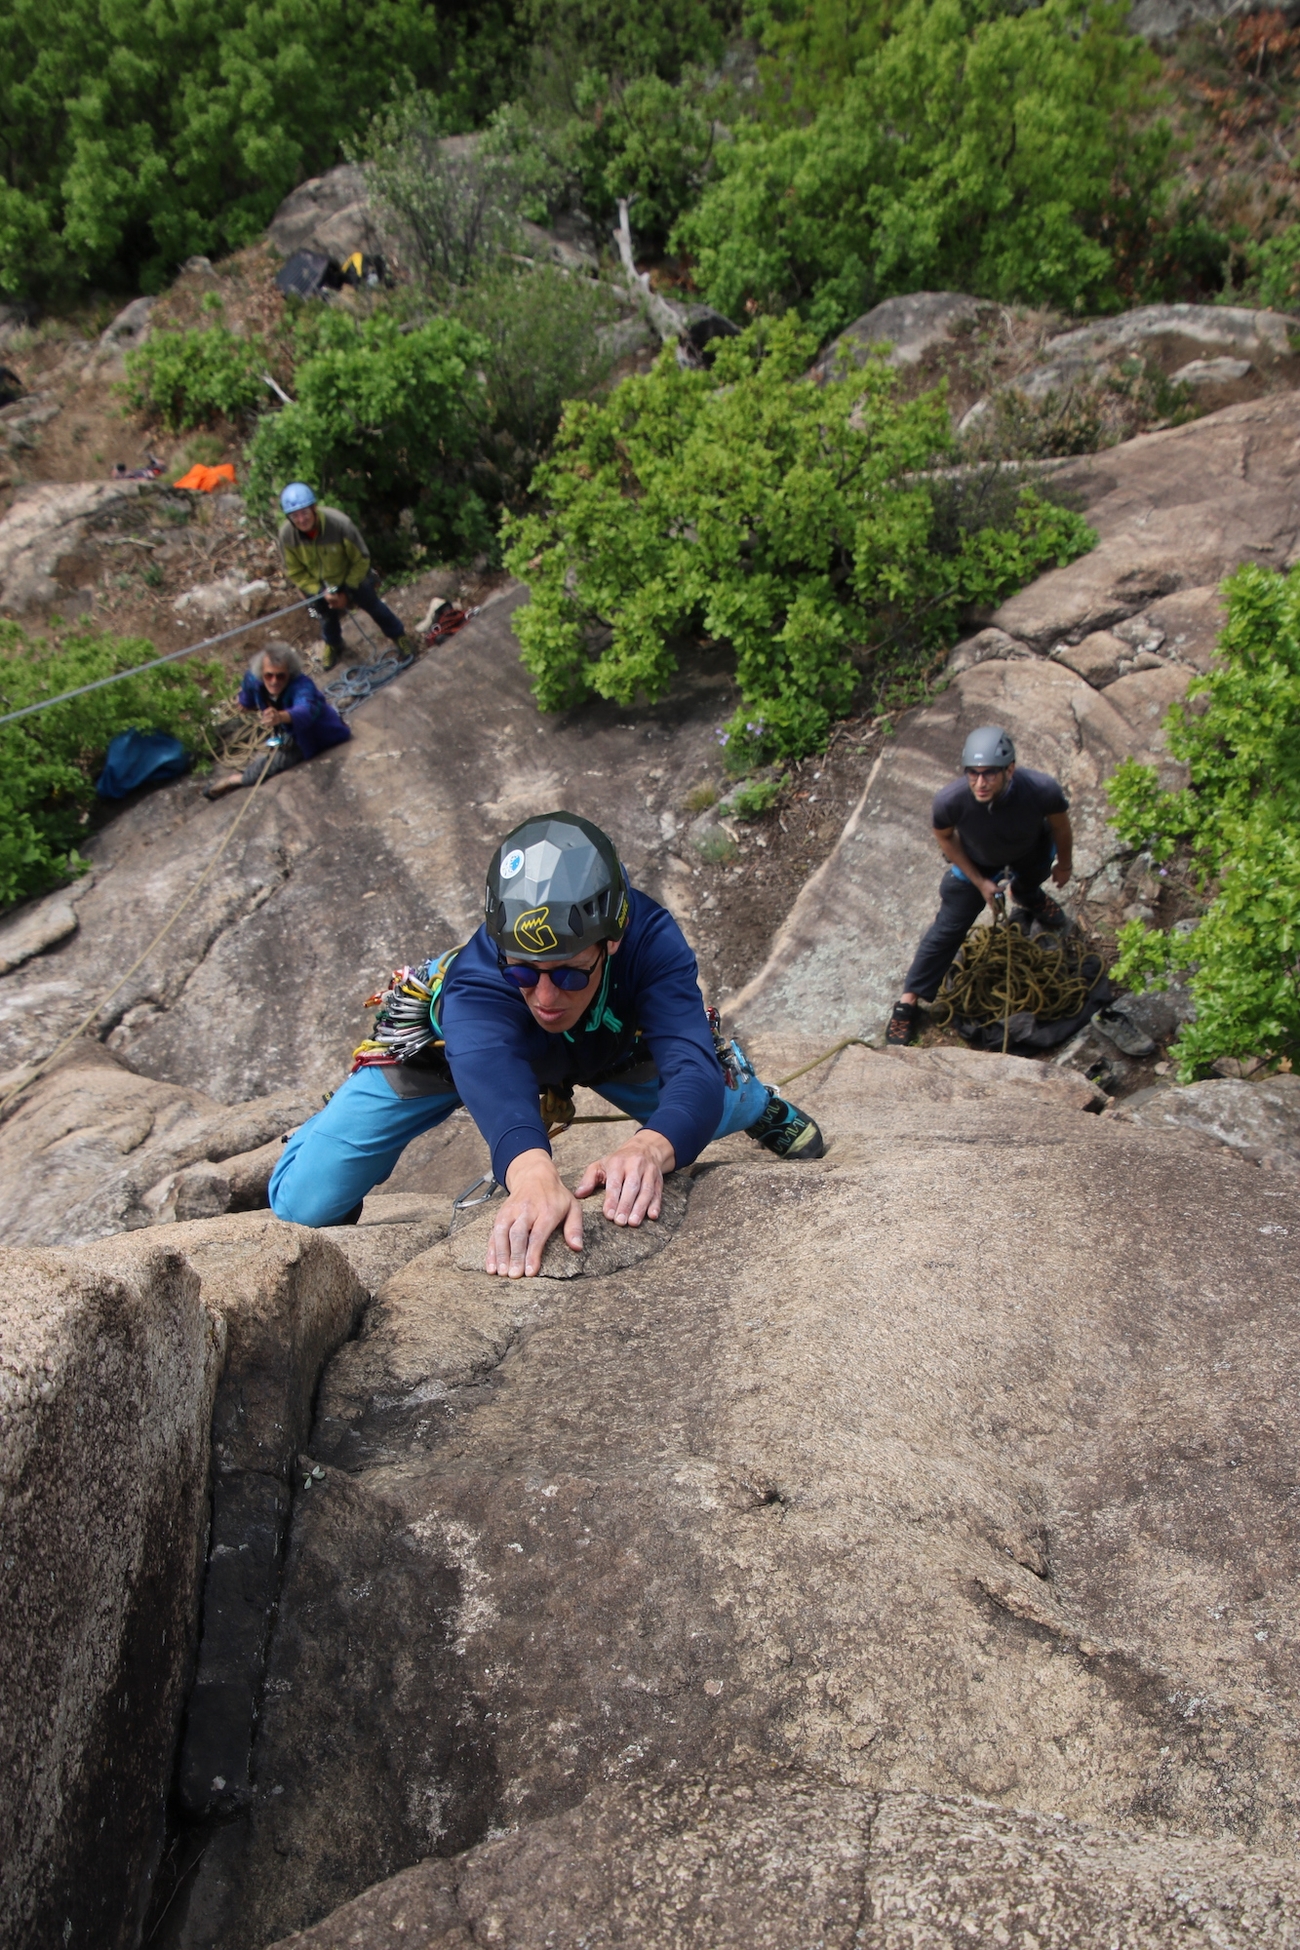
(406, 1028)
(734, 1068)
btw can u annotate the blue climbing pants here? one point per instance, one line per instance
(336, 1157)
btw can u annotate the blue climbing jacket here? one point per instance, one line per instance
(314, 722)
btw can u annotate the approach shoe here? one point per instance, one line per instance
(406, 644)
(786, 1130)
(902, 1026)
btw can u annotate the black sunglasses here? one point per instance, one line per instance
(525, 976)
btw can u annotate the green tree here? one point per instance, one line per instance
(385, 425)
(796, 523)
(49, 762)
(540, 338)
(978, 150)
(1239, 815)
(136, 134)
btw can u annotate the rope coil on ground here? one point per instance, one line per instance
(1000, 973)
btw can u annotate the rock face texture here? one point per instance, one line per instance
(874, 1472)
(44, 530)
(1166, 520)
(108, 1374)
(1261, 1121)
(124, 1366)
(763, 1861)
(94, 1149)
(327, 213)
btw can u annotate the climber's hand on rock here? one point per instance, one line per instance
(539, 1203)
(633, 1177)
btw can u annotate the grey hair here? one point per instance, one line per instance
(282, 654)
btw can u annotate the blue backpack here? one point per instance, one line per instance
(137, 758)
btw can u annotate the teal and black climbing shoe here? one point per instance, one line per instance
(786, 1130)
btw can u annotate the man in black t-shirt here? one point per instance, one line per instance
(996, 822)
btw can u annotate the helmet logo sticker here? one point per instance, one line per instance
(513, 863)
(533, 933)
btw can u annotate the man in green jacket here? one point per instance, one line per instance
(324, 555)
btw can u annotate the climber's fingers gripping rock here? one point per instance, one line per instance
(633, 1177)
(539, 1203)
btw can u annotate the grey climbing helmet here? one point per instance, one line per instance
(990, 745)
(555, 887)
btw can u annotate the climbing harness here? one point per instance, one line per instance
(1000, 973)
(26, 1082)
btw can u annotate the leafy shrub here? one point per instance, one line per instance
(1240, 817)
(49, 762)
(1275, 270)
(977, 151)
(136, 135)
(539, 339)
(745, 503)
(385, 426)
(758, 797)
(452, 199)
(648, 140)
(189, 379)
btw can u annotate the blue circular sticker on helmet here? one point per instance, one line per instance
(513, 863)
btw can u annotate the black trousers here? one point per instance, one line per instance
(960, 903)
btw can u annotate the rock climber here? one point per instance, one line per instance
(998, 822)
(574, 978)
(293, 710)
(324, 555)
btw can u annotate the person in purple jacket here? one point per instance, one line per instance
(574, 978)
(293, 710)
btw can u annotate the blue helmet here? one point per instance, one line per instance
(297, 495)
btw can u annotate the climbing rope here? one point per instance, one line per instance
(17, 1089)
(119, 676)
(1000, 973)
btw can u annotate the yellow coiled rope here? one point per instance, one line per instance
(999, 972)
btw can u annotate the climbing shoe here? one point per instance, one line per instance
(329, 656)
(902, 1026)
(406, 644)
(786, 1130)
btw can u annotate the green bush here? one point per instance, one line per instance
(385, 425)
(1274, 278)
(49, 762)
(135, 135)
(453, 200)
(189, 379)
(648, 140)
(744, 503)
(1240, 817)
(977, 150)
(540, 344)
(758, 797)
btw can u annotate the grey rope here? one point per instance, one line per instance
(208, 643)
